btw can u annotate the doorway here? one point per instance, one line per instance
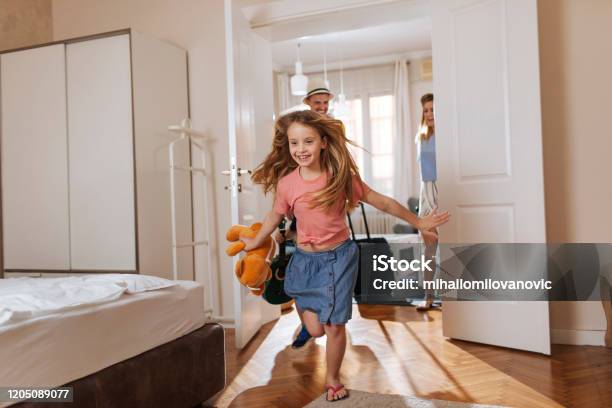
(480, 59)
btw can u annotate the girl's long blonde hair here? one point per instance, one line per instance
(336, 159)
(425, 131)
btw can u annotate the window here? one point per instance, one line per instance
(381, 139)
(369, 123)
(353, 125)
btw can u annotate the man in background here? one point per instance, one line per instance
(318, 96)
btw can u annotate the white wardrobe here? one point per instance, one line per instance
(84, 155)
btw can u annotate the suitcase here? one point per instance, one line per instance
(364, 293)
(274, 291)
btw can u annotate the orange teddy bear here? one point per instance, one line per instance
(252, 270)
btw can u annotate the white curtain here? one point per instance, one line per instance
(404, 146)
(283, 92)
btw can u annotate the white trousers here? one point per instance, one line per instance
(428, 201)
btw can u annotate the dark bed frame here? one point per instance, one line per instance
(180, 374)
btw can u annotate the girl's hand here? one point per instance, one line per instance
(433, 220)
(250, 243)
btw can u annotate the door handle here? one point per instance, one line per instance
(239, 172)
(239, 188)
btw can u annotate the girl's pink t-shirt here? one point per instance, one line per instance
(316, 226)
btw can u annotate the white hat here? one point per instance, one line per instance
(317, 86)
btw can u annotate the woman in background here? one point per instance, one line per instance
(428, 200)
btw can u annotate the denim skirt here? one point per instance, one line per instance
(323, 282)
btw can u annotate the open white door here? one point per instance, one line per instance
(250, 115)
(489, 146)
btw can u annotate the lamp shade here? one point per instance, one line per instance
(299, 81)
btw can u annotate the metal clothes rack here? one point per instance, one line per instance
(186, 133)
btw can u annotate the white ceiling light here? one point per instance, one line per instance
(299, 81)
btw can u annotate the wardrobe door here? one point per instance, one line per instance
(100, 155)
(34, 167)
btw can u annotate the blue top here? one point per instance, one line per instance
(426, 155)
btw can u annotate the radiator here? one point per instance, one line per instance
(378, 222)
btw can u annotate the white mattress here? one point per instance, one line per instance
(54, 349)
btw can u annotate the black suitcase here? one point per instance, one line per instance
(274, 291)
(368, 247)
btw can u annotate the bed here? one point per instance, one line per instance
(118, 340)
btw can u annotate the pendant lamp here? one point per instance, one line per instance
(299, 81)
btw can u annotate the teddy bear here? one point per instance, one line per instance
(253, 269)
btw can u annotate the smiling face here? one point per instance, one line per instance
(305, 145)
(319, 103)
(428, 113)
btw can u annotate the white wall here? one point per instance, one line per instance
(198, 27)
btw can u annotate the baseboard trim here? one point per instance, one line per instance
(578, 337)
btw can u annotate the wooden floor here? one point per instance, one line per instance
(400, 351)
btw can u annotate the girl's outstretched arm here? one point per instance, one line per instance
(390, 206)
(269, 225)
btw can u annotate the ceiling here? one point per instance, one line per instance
(389, 39)
(348, 30)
